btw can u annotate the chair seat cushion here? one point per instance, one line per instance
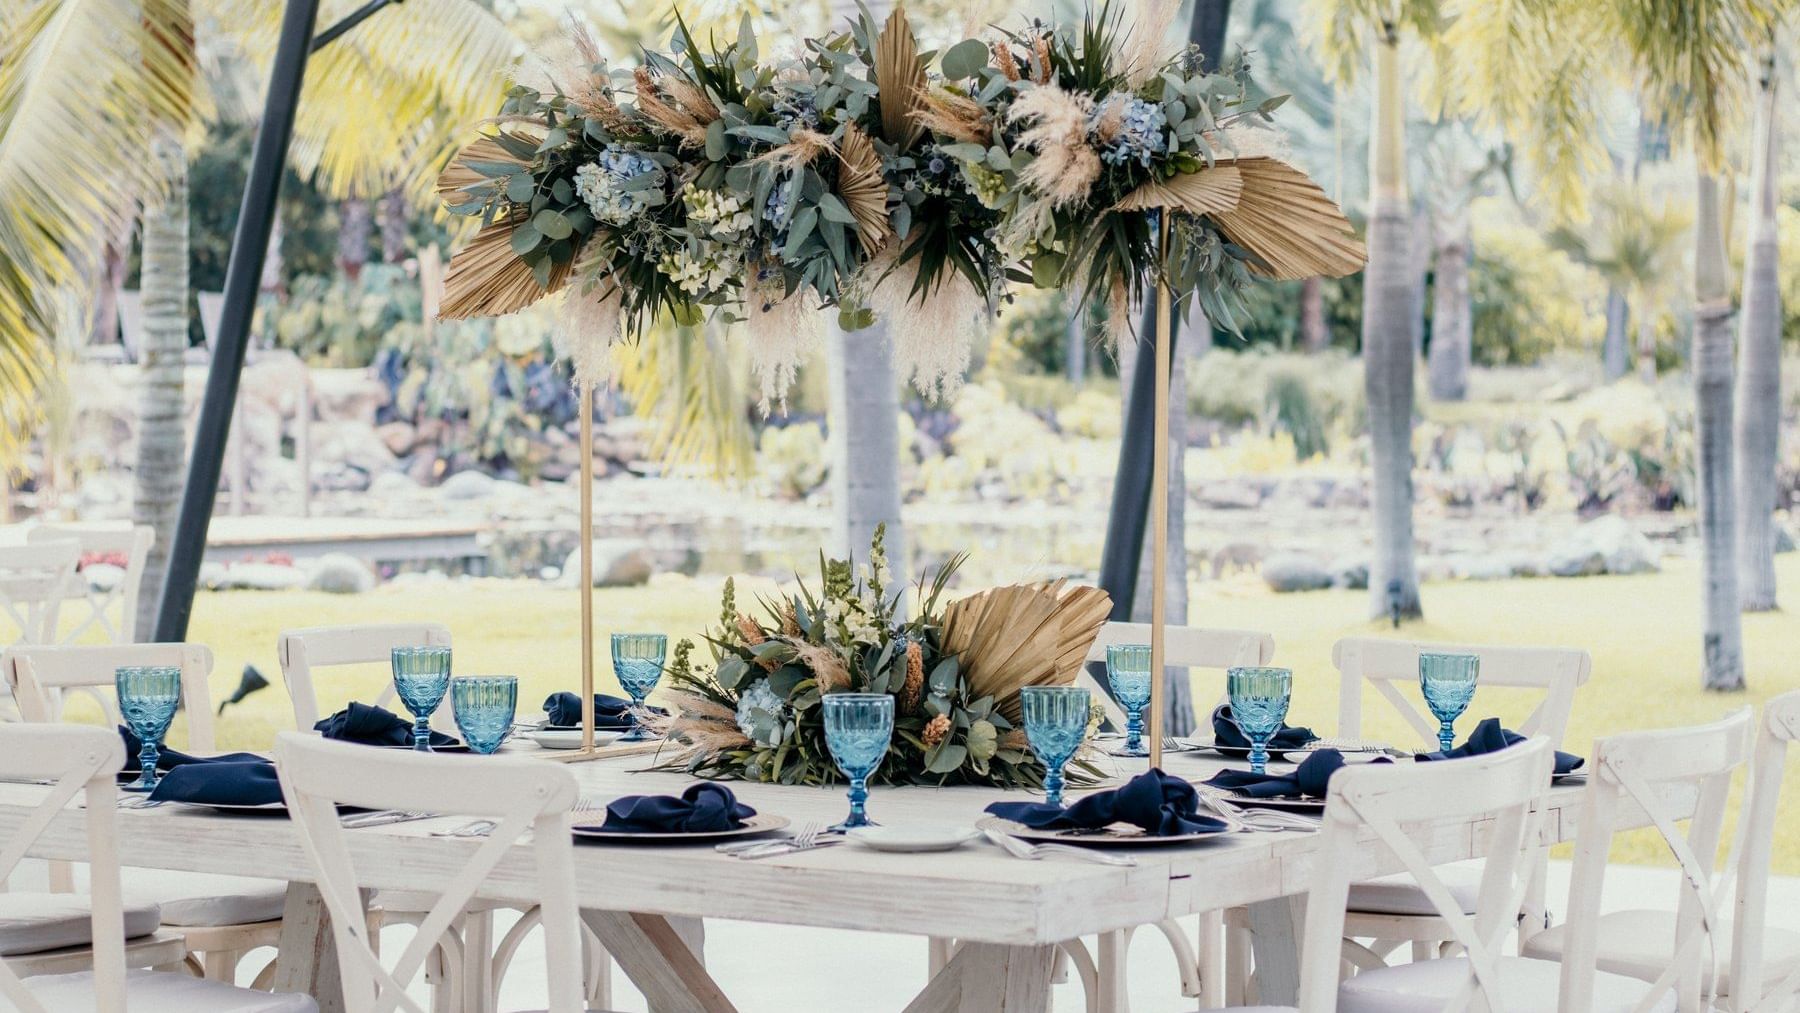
(1400, 894)
(166, 992)
(204, 898)
(1640, 944)
(1526, 986)
(38, 922)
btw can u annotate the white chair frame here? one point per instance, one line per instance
(1780, 726)
(135, 543)
(1380, 800)
(1629, 770)
(43, 676)
(1386, 664)
(34, 578)
(82, 761)
(523, 796)
(301, 651)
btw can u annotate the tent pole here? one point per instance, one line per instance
(1159, 496)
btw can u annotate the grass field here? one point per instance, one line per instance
(1643, 632)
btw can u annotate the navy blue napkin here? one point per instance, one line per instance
(702, 808)
(1310, 778)
(226, 783)
(610, 712)
(1163, 804)
(1489, 737)
(373, 726)
(169, 759)
(1227, 733)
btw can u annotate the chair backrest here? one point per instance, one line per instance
(1642, 771)
(1183, 647)
(1386, 664)
(80, 760)
(1780, 726)
(302, 651)
(523, 796)
(132, 545)
(1508, 786)
(41, 678)
(34, 579)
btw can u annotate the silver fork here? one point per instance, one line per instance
(809, 838)
(734, 847)
(357, 821)
(1037, 852)
(1243, 818)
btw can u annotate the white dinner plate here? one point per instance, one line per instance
(1119, 834)
(570, 738)
(266, 809)
(914, 837)
(761, 823)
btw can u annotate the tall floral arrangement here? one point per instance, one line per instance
(753, 713)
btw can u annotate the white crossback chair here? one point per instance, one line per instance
(33, 582)
(1391, 910)
(1692, 951)
(523, 798)
(104, 600)
(1373, 806)
(82, 761)
(221, 918)
(303, 651)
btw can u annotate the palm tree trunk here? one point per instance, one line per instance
(1615, 353)
(1314, 336)
(394, 213)
(162, 428)
(1759, 371)
(865, 447)
(1075, 347)
(1646, 339)
(356, 226)
(1452, 324)
(1388, 348)
(1723, 665)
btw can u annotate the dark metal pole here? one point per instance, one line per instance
(242, 273)
(351, 20)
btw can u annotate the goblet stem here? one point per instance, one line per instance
(1134, 732)
(1259, 755)
(147, 754)
(859, 797)
(1446, 735)
(422, 734)
(1053, 785)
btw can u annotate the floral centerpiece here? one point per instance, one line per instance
(954, 671)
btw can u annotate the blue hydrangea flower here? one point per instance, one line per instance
(1139, 136)
(779, 204)
(762, 714)
(600, 184)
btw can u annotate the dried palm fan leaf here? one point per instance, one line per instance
(487, 279)
(457, 174)
(899, 80)
(1209, 191)
(1288, 224)
(863, 189)
(1007, 638)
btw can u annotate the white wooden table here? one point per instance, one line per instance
(1009, 914)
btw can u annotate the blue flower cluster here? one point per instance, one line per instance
(600, 183)
(780, 203)
(1139, 135)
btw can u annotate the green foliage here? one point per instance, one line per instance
(791, 459)
(1529, 299)
(1312, 400)
(330, 320)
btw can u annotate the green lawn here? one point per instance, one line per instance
(1643, 632)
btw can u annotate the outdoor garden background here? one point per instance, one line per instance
(1554, 441)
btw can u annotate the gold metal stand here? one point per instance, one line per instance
(584, 397)
(1159, 496)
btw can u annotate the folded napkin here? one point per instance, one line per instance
(373, 726)
(704, 807)
(169, 759)
(1227, 733)
(1163, 804)
(611, 712)
(1489, 737)
(1310, 778)
(237, 782)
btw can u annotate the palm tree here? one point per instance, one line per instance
(1457, 169)
(1634, 243)
(1758, 429)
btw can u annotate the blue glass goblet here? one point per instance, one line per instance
(484, 706)
(148, 696)
(1259, 704)
(1448, 683)
(1128, 670)
(1056, 722)
(858, 727)
(421, 678)
(638, 663)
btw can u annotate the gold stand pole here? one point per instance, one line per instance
(584, 397)
(1159, 497)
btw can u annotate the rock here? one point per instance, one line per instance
(273, 382)
(340, 573)
(1229, 494)
(1290, 571)
(618, 562)
(393, 483)
(355, 444)
(347, 395)
(399, 437)
(260, 577)
(1351, 573)
(468, 485)
(1784, 540)
(1481, 567)
(1603, 545)
(212, 576)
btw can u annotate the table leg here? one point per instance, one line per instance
(1275, 927)
(659, 959)
(307, 961)
(989, 978)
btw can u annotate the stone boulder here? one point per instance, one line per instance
(340, 573)
(1291, 571)
(469, 485)
(355, 444)
(1228, 494)
(1784, 540)
(1603, 545)
(347, 395)
(260, 577)
(618, 562)
(1350, 573)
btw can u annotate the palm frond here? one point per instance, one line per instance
(900, 79)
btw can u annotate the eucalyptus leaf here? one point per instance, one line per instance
(965, 59)
(525, 238)
(520, 186)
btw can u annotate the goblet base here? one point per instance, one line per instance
(1130, 750)
(140, 786)
(637, 734)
